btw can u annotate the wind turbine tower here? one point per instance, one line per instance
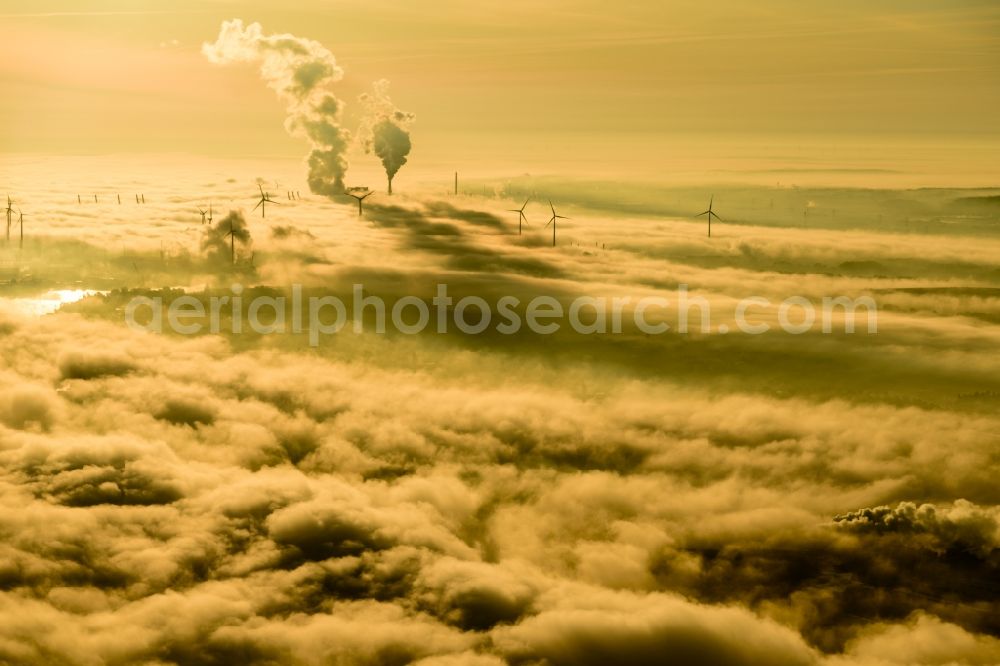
(710, 215)
(552, 221)
(265, 198)
(10, 213)
(520, 214)
(232, 242)
(360, 193)
(20, 224)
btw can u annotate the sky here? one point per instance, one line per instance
(514, 82)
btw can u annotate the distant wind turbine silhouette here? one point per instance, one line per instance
(265, 198)
(210, 212)
(204, 214)
(520, 214)
(552, 221)
(360, 197)
(20, 224)
(10, 212)
(710, 215)
(232, 241)
(95, 198)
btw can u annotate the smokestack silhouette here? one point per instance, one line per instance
(298, 70)
(385, 130)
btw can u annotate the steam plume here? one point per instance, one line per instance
(385, 129)
(221, 240)
(298, 70)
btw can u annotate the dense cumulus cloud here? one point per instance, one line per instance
(445, 500)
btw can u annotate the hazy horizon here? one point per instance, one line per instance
(580, 86)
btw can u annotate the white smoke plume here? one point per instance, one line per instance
(299, 70)
(385, 129)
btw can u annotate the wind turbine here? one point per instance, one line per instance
(20, 223)
(710, 214)
(552, 221)
(232, 241)
(204, 214)
(95, 198)
(10, 212)
(360, 197)
(210, 212)
(265, 198)
(520, 214)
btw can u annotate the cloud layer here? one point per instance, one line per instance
(453, 500)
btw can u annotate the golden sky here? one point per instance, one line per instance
(128, 76)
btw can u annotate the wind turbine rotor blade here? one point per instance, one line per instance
(259, 204)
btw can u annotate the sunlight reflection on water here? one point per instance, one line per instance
(48, 302)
